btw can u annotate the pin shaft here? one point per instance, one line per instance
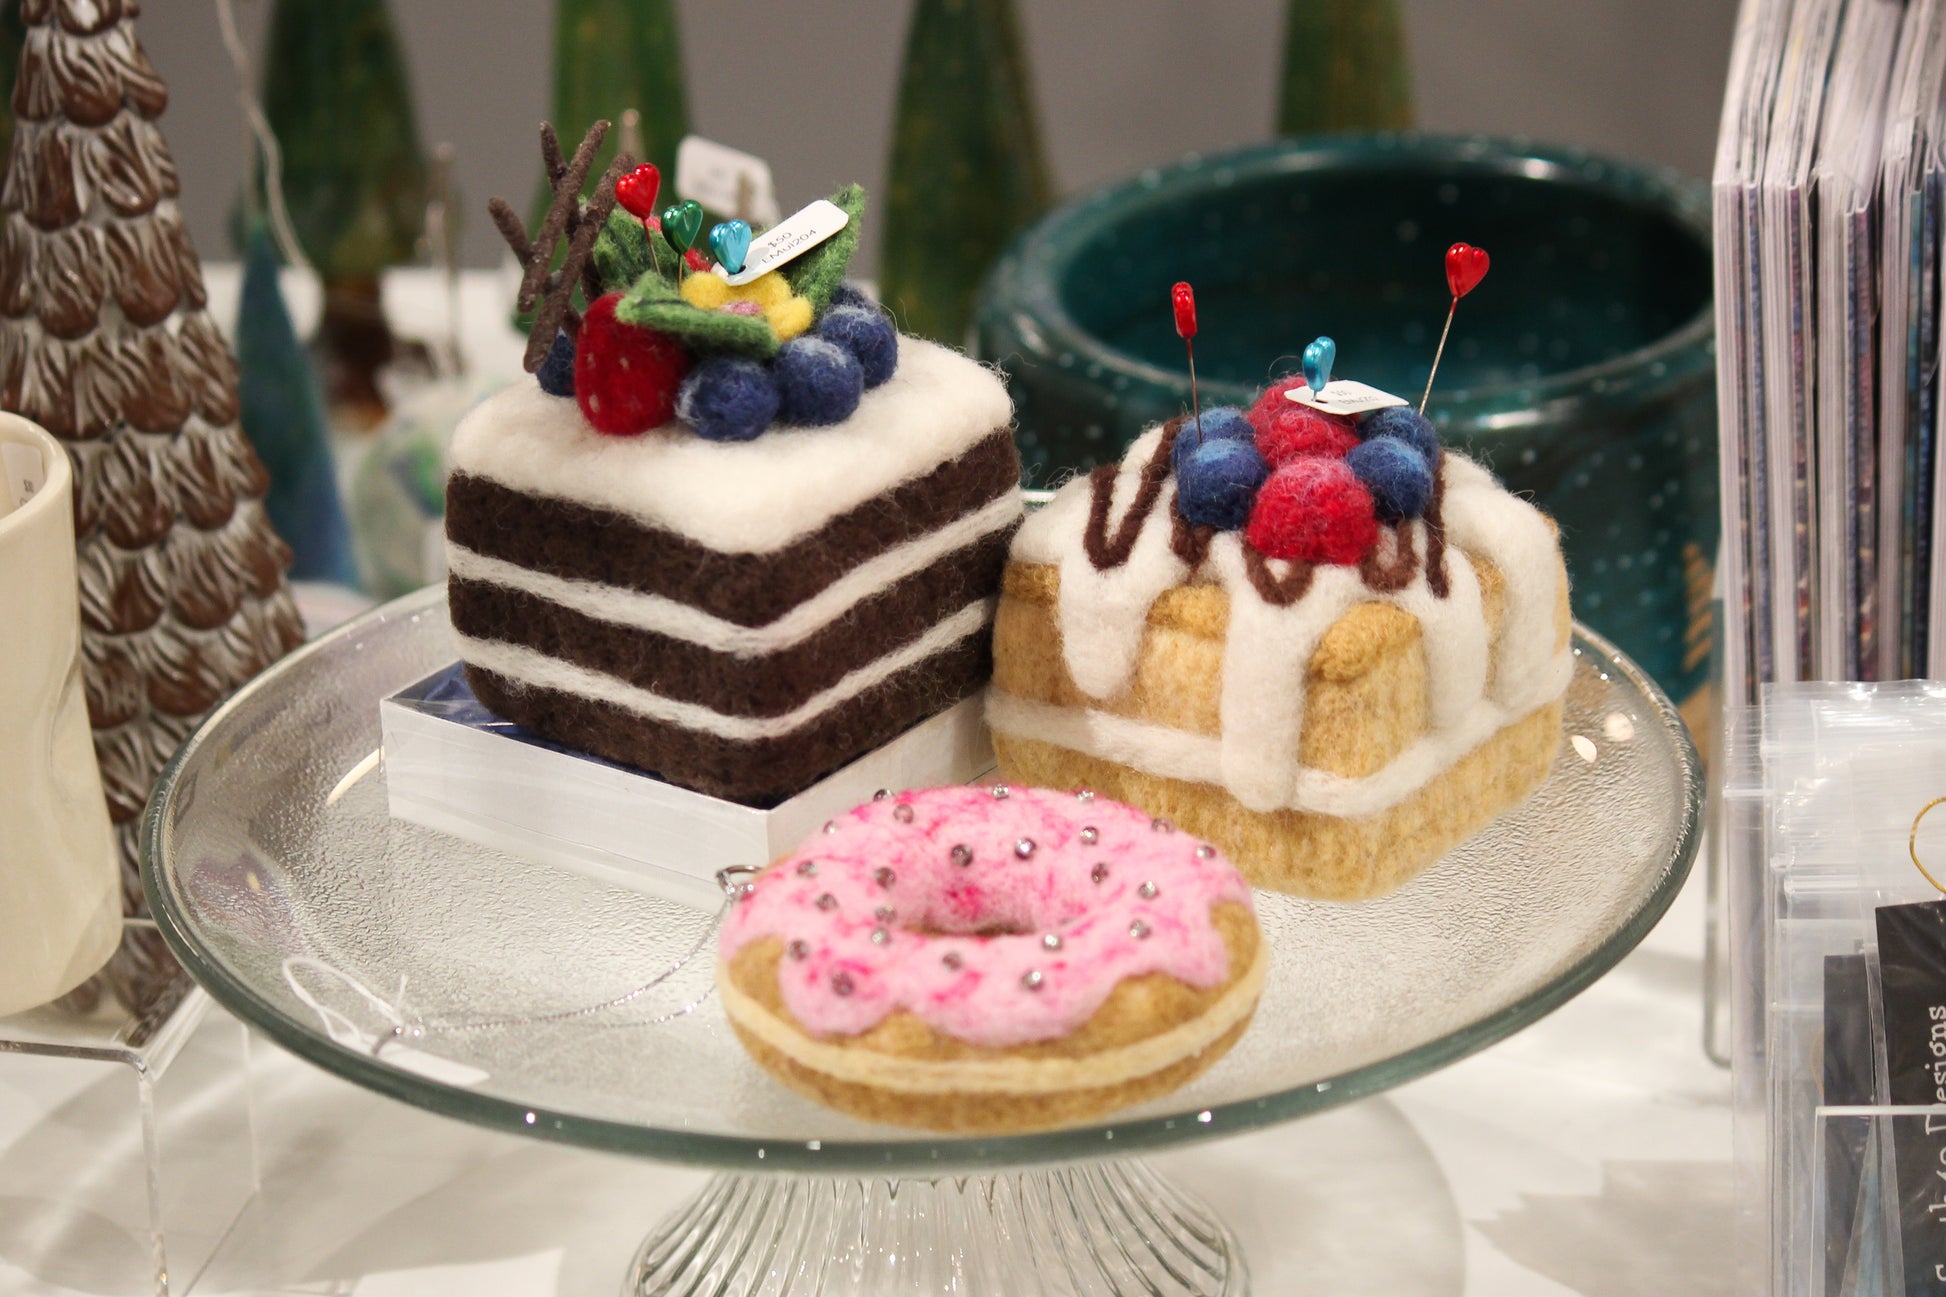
(1438, 353)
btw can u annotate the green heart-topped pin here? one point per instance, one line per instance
(682, 223)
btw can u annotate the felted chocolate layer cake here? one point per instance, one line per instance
(740, 617)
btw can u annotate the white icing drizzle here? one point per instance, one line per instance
(1103, 618)
(1103, 612)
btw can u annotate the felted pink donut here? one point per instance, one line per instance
(991, 959)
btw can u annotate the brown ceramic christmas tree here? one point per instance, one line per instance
(104, 341)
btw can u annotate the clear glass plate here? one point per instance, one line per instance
(282, 882)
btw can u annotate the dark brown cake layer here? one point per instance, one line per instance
(583, 543)
(768, 685)
(761, 771)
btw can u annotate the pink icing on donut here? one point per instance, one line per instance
(878, 913)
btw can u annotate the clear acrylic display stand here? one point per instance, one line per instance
(147, 1152)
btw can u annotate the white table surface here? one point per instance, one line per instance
(1588, 1155)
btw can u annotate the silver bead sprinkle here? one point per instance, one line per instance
(1146, 891)
(1090, 836)
(952, 960)
(1051, 941)
(841, 982)
(1024, 848)
(1085, 794)
(881, 794)
(831, 826)
(799, 949)
(902, 813)
(808, 868)
(1100, 872)
(1000, 792)
(827, 902)
(1139, 930)
(880, 936)
(884, 876)
(1206, 852)
(962, 855)
(885, 914)
(1032, 979)
(1162, 826)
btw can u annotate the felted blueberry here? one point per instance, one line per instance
(1313, 509)
(1220, 423)
(1216, 482)
(819, 382)
(866, 334)
(1405, 423)
(556, 374)
(1396, 474)
(846, 295)
(727, 398)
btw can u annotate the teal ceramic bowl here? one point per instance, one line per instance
(1581, 369)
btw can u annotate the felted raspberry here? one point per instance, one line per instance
(1315, 510)
(1272, 400)
(625, 378)
(1298, 430)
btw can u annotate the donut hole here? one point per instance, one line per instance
(976, 906)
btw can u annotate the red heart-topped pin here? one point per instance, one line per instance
(636, 191)
(1466, 266)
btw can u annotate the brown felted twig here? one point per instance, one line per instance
(545, 290)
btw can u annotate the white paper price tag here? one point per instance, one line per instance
(24, 469)
(1344, 396)
(726, 180)
(788, 239)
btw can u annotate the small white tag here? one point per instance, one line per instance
(1345, 396)
(726, 180)
(25, 470)
(788, 239)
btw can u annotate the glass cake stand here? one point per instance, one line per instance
(280, 879)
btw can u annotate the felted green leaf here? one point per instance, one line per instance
(621, 254)
(817, 274)
(654, 303)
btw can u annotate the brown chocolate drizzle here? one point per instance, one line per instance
(1106, 552)
(1436, 533)
(1389, 578)
(1277, 591)
(1190, 542)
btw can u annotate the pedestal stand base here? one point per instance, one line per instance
(1098, 1230)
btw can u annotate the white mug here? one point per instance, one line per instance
(60, 884)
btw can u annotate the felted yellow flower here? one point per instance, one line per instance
(767, 295)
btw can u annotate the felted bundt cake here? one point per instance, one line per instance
(1325, 644)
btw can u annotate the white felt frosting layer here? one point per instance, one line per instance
(525, 666)
(678, 620)
(748, 497)
(1103, 618)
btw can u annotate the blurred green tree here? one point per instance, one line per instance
(337, 94)
(967, 169)
(1345, 68)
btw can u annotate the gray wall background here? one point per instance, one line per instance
(1122, 84)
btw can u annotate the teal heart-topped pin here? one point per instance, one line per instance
(1318, 359)
(682, 223)
(730, 241)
